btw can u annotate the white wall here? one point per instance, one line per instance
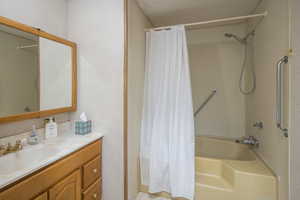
(271, 42)
(136, 65)
(97, 27)
(295, 103)
(49, 15)
(216, 62)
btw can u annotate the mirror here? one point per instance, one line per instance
(55, 75)
(19, 66)
(37, 73)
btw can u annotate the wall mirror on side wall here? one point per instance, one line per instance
(37, 73)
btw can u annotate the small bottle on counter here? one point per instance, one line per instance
(51, 129)
(33, 138)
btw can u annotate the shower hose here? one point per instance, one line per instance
(243, 71)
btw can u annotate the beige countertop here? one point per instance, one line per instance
(31, 158)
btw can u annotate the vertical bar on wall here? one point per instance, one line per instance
(279, 95)
(125, 101)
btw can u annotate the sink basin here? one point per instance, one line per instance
(23, 159)
(35, 155)
(15, 166)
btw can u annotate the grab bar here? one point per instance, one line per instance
(205, 102)
(279, 95)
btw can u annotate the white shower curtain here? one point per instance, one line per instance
(167, 135)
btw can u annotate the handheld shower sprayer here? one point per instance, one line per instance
(244, 41)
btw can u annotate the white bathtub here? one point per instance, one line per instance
(209, 147)
(226, 170)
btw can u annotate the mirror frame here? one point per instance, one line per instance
(38, 32)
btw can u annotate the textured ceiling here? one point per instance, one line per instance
(169, 12)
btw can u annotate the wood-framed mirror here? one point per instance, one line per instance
(38, 73)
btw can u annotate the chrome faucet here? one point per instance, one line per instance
(250, 140)
(259, 125)
(9, 148)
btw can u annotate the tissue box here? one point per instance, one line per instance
(83, 128)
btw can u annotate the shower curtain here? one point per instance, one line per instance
(167, 132)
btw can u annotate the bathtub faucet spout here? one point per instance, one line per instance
(250, 140)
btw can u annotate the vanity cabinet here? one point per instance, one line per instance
(43, 196)
(74, 177)
(67, 189)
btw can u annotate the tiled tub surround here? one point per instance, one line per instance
(31, 158)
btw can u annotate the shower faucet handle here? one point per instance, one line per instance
(250, 140)
(259, 125)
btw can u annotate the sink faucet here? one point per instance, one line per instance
(9, 148)
(250, 140)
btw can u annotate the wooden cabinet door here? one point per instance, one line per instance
(43, 196)
(67, 189)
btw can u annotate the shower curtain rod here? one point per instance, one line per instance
(214, 21)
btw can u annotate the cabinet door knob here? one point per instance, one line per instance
(95, 195)
(95, 170)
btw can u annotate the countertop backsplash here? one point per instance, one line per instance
(21, 127)
(63, 127)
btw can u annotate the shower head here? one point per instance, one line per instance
(237, 38)
(229, 35)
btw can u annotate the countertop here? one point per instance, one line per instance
(31, 158)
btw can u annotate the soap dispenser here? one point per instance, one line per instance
(51, 129)
(33, 138)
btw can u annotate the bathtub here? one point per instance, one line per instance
(208, 147)
(226, 170)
